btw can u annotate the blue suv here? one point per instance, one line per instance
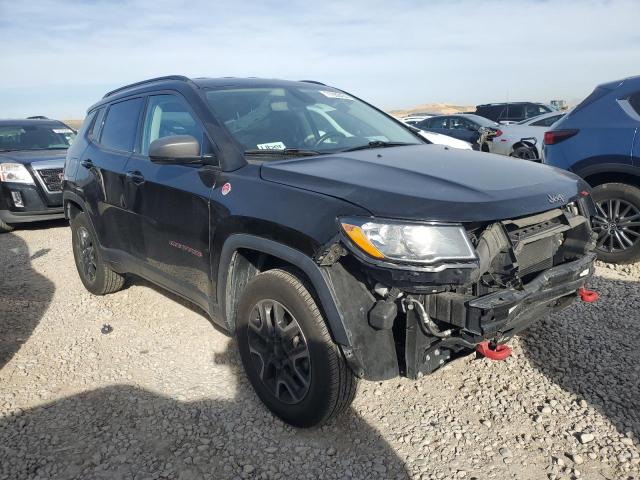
(600, 141)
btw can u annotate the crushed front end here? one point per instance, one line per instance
(522, 270)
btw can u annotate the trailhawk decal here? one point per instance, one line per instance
(186, 248)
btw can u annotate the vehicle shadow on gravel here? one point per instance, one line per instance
(25, 295)
(593, 351)
(125, 432)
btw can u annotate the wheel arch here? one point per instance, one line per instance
(244, 256)
(72, 204)
(597, 171)
(521, 143)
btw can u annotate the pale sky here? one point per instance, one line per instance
(59, 57)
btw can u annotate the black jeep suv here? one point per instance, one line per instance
(32, 156)
(325, 235)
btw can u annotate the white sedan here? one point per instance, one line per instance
(524, 139)
(446, 140)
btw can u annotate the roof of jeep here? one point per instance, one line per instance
(198, 83)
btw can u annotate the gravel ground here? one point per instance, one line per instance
(162, 395)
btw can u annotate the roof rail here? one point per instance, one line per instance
(180, 78)
(313, 81)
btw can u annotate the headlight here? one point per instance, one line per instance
(14, 172)
(409, 242)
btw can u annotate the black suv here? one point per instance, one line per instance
(511, 112)
(32, 154)
(327, 237)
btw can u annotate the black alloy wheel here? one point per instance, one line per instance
(279, 351)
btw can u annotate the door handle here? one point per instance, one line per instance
(135, 177)
(87, 163)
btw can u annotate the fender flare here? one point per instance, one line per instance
(585, 169)
(318, 278)
(68, 196)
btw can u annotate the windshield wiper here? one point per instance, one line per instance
(287, 152)
(378, 144)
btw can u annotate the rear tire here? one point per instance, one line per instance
(525, 153)
(96, 275)
(288, 354)
(5, 227)
(617, 222)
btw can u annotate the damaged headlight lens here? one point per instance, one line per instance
(14, 172)
(410, 242)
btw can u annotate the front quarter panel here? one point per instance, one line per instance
(296, 218)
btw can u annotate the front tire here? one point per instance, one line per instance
(288, 354)
(95, 274)
(617, 222)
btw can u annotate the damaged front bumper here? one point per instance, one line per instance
(496, 316)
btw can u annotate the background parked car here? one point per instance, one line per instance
(512, 112)
(524, 139)
(599, 141)
(446, 140)
(416, 118)
(32, 154)
(463, 126)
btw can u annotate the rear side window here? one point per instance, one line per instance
(634, 101)
(121, 125)
(94, 129)
(491, 112)
(512, 112)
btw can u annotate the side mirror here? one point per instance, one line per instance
(178, 149)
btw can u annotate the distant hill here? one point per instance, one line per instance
(442, 108)
(73, 123)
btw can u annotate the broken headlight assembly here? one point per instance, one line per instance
(405, 242)
(15, 173)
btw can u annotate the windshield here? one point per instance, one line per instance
(35, 137)
(303, 119)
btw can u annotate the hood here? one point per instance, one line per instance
(430, 182)
(31, 156)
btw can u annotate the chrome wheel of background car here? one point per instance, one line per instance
(279, 351)
(87, 254)
(617, 224)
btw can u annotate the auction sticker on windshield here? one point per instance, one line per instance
(271, 146)
(332, 94)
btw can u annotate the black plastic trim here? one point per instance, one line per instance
(295, 257)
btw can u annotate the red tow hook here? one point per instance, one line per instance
(500, 352)
(588, 296)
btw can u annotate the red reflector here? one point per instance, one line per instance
(584, 193)
(556, 136)
(498, 133)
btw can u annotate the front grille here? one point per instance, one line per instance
(537, 256)
(52, 178)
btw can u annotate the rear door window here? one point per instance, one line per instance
(513, 112)
(121, 125)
